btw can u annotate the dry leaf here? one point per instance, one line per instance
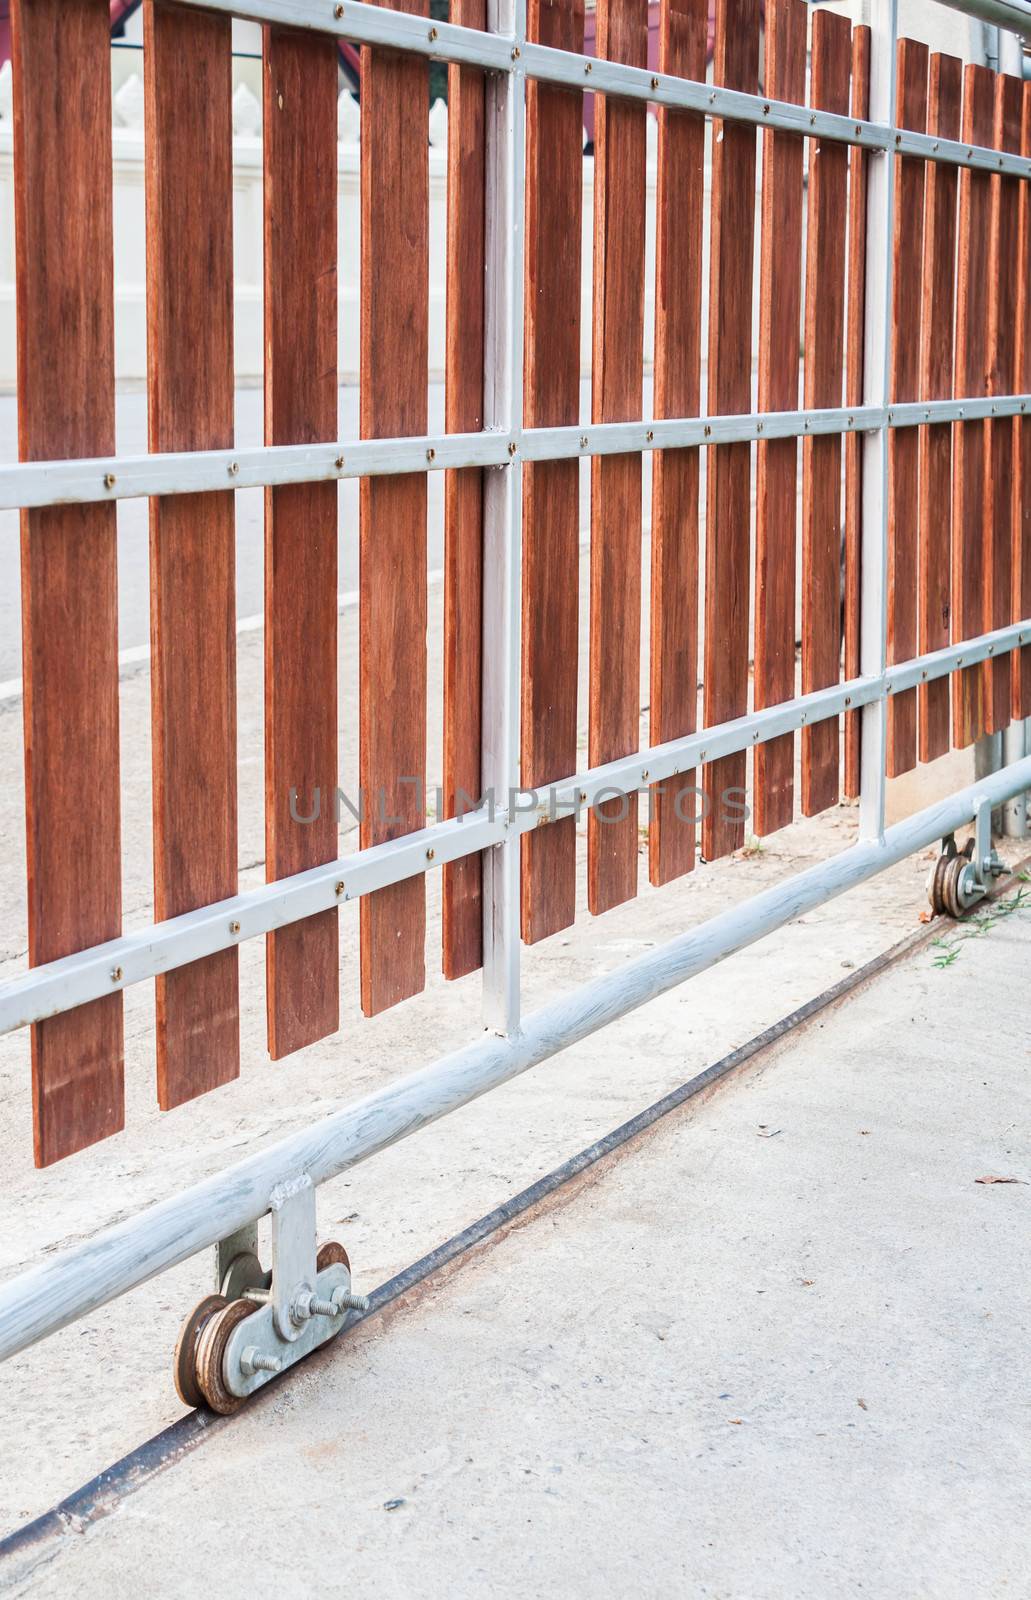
(926, 916)
(735, 1422)
(1000, 1180)
(863, 1404)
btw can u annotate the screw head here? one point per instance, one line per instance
(587, 66)
(340, 463)
(433, 34)
(340, 887)
(116, 974)
(234, 927)
(515, 53)
(512, 447)
(430, 854)
(655, 83)
(431, 454)
(338, 11)
(651, 435)
(234, 468)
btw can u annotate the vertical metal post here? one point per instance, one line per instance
(503, 509)
(873, 637)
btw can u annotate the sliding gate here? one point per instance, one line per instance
(893, 243)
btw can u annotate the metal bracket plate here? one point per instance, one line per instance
(258, 1334)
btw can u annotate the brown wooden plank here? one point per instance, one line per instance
(936, 354)
(617, 372)
(1003, 307)
(858, 169)
(551, 489)
(188, 67)
(904, 443)
(673, 694)
(821, 458)
(394, 357)
(463, 496)
(615, 480)
(728, 477)
(776, 493)
(300, 265)
(65, 301)
(969, 377)
(1022, 433)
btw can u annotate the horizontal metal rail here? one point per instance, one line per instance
(501, 52)
(51, 1296)
(29, 484)
(87, 974)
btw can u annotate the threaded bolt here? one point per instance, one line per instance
(345, 1301)
(254, 1360)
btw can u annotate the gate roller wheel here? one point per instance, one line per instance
(211, 1349)
(331, 1254)
(184, 1364)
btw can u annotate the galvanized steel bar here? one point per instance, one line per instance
(41, 483)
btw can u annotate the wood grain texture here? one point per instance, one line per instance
(937, 345)
(858, 169)
(463, 496)
(617, 376)
(904, 443)
(551, 489)
(728, 477)
(776, 491)
(821, 458)
(969, 378)
(1003, 308)
(66, 408)
(1022, 432)
(188, 67)
(392, 583)
(300, 265)
(673, 694)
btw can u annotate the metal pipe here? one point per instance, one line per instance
(51, 1296)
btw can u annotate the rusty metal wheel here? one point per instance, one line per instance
(936, 885)
(211, 1349)
(184, 1364)
(331, 1254)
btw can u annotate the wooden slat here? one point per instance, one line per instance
(969, 376)
(673, 692)
(904, 443)
(858, 169)
(936, 354)
(821, 458)
(394, 356)
(463, 496)
(1003, 308)
(62, 172)
(776, 494)
(617, 372)
(1022, 433)
(728, 510)
(300, 265)
(551, 489)
(188, 62)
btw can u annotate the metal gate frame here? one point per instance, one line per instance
(223, 1210)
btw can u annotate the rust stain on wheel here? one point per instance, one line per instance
(211, 1349)
(184, 1363)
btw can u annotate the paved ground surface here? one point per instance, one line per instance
(776, 1348)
